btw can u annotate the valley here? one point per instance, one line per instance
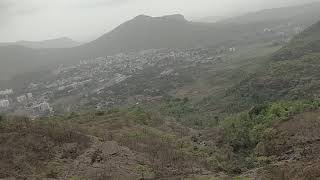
(167, 98)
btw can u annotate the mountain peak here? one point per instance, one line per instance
(178, 17)
(142, 17)
(175, 17)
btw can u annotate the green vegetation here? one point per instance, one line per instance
(164, 147)
(250, 117)
(285, 75)
(139, 115)
(2, 117)
(27, 146)
(306, 42)
(246, 130)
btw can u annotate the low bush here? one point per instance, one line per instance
(139, 115)
(27, 145)
(245, 130)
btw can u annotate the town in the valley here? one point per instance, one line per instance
(92, 82)
(90, 78)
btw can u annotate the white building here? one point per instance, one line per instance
(4, 103)
(29, 95)
(6, 92)
(22, 98)
(298, 29)
(232, 49)
(267, 30)
(45, 107)
(42, 108)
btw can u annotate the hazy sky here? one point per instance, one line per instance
(84, 20)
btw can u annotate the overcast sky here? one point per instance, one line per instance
(84, 20)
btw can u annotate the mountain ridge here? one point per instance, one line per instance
(275, 14)
(146, 32)
(63, 42)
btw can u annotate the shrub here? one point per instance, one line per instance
(35, 143)
(139, 115)
(145, 172)
(245, 130)
(2, 118)
(178, 108)
(100, 113)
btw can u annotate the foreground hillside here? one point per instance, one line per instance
(279, 140)
(293, 145)
(117, 144)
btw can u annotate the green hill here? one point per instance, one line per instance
(290, 73)
(305, 43)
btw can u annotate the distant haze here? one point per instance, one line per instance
(84, 20)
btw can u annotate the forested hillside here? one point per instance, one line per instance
(290, 73)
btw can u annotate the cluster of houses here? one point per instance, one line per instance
(4, 103)
(10, 102)
(107, 71)
(92, 77)
(4, 98)
(6, 92)
(25, 97)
